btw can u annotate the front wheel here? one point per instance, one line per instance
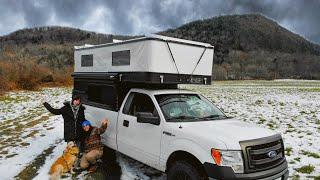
(182, 170)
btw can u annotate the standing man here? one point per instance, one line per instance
(73, 116)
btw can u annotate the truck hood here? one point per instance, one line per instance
(228, 131)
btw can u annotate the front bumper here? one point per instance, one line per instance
(223, 172)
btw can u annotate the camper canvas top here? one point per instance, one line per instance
(147, 37)
(151, 59)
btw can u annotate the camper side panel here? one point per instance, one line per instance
(180, 58)
(128, 57)
(204, 66)
(146, 56)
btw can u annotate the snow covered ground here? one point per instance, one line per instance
(31, 138)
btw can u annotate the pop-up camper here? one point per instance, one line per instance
(134, 84)
(157, 62)
(154, 59)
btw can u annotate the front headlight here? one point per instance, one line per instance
(232, 159)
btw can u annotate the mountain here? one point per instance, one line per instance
(42, 55)
(56, 35)
(53, 45)
(253, 46)
(244, 32)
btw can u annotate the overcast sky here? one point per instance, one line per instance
(147, 16)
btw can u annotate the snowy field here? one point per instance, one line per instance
(31, 138)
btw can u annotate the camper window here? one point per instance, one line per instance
(121, 58)
(102, 94)
(87, 60)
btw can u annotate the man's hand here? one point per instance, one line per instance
(105, 122)
(42, 100)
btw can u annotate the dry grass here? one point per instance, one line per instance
(28, 75)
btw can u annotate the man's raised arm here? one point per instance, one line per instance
(51, 109)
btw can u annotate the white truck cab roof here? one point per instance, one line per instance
(162, 91)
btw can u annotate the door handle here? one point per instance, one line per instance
(125, 123)
(168, 133)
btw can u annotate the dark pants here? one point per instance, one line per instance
(79, 145)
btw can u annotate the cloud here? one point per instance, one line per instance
(148, 16)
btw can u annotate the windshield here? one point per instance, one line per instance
(188, 107)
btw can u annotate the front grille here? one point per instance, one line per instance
(262, 154)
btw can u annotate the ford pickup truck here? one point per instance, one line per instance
(134, 83)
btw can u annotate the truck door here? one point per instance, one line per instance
(140, 141)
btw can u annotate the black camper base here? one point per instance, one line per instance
(107, 90)
(147, 77)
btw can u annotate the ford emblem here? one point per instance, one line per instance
(272, 154)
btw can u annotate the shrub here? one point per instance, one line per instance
(311, 154)
(28, 75)
(288, 151)
(306, 169)
(63, 77)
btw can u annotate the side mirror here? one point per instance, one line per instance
(147, 117)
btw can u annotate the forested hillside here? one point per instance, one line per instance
(33, 57)
(253, 47)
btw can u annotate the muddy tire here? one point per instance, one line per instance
(110, 164)
(182, 170)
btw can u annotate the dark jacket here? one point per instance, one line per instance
(72, 126)
(92, 138)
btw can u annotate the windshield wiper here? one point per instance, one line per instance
(215, 116)
(182, 117)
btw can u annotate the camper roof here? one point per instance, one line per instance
(147, 37)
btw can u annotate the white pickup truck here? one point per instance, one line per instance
(184, 134)
(134, 84)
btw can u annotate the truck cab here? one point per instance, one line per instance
(176, 131)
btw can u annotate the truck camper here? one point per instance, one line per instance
(134, 84)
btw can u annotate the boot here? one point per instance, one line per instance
(93, 168)
(77, 167)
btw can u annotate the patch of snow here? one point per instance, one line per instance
(44, 170)
(290, 107)
(10, 167)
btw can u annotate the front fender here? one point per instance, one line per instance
(203, 154)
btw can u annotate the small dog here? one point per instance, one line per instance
(65, 163)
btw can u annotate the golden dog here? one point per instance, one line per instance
(65, 163)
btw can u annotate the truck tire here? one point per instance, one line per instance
(110, 164)
(185, 171)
